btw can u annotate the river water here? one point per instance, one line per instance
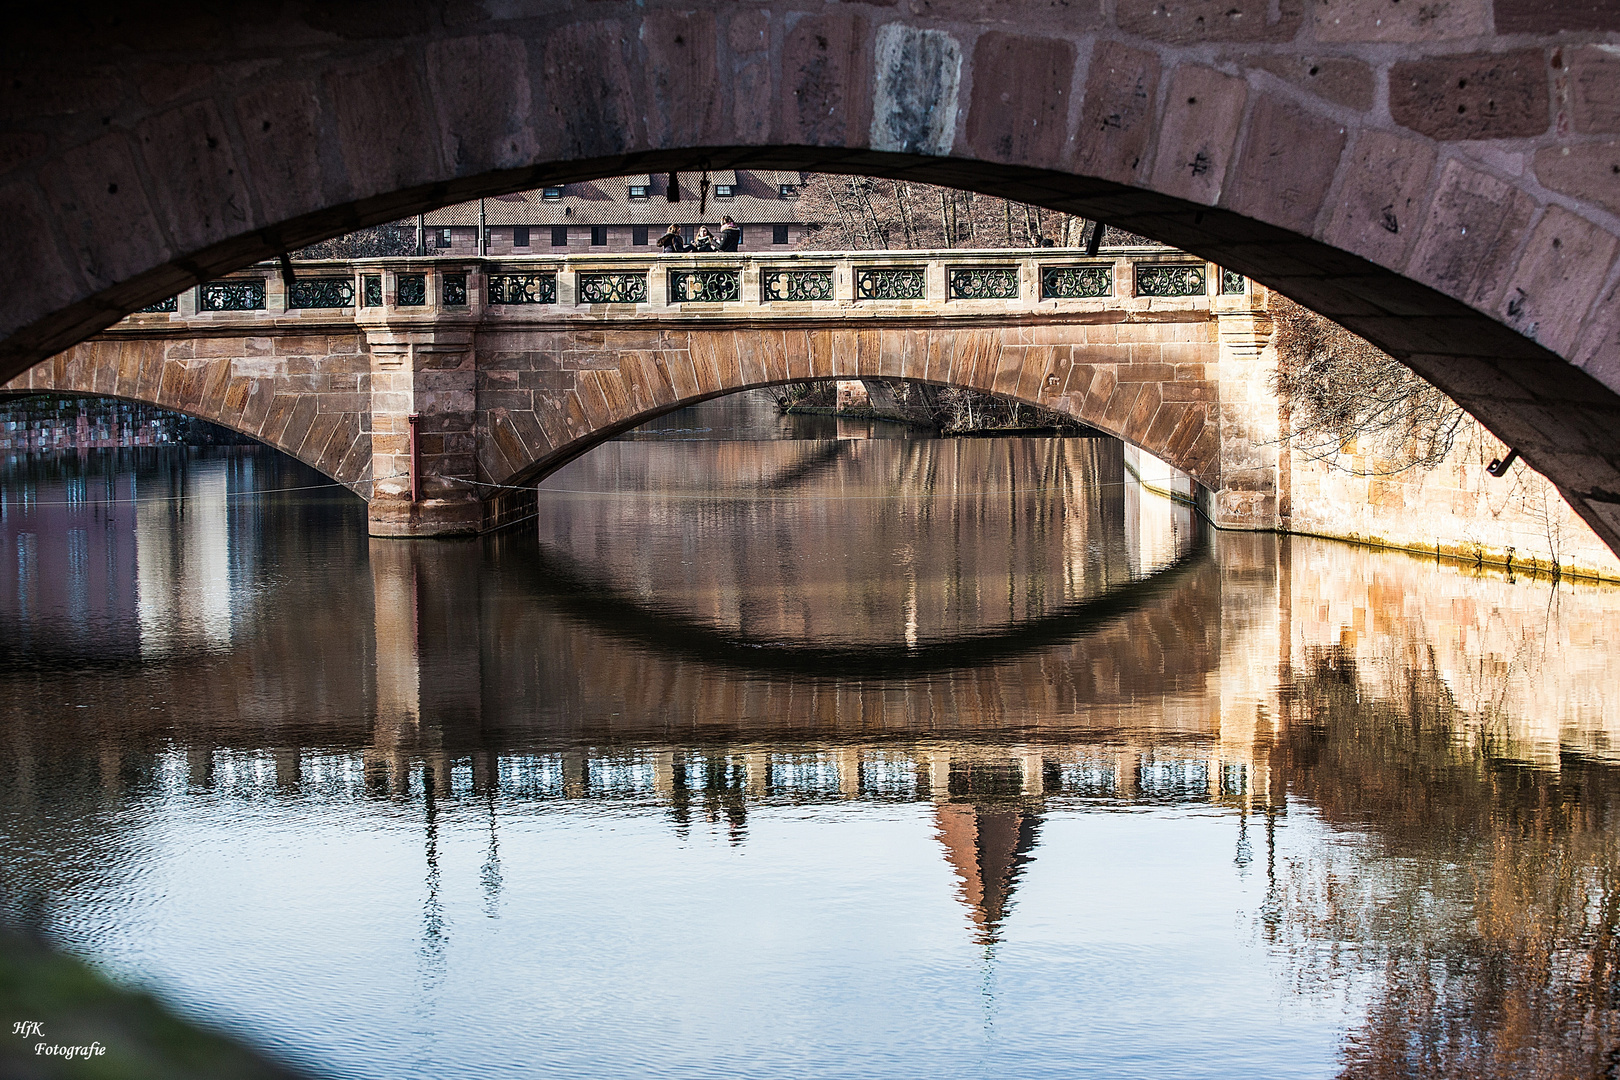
(792, 747)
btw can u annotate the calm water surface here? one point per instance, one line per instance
(800, 748)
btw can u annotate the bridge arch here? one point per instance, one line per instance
(139, 371)
(1442, 185)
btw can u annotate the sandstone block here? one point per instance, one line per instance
(825, 81)
(1382, 20)
(383, 158)
(277, 121)
(1208, 20)
(205, 197)
(1474, 221)
(1476, 96)
(96, 197)
(1286, 164)
(1590, 171)
(1342, 81)
(1116, 117)
(1556, 279)
(467, 76)
(1550, 16)
(1378, 212)
(1594, 81)
(1202, 111)
(681, 74)
(1020, 105)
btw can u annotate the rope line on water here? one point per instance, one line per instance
(743, 497)
(28, 503)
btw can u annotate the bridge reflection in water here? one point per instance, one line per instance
(671, 648)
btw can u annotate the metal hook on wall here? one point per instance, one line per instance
(1499, 467)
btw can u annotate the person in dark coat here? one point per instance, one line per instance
(730, 234)
(672, 241)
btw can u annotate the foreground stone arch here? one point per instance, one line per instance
(1441, 182)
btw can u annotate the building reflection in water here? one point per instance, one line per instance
(1010, 646)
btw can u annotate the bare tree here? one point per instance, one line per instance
(1341, 392)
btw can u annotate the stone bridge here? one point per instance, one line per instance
(443, 389)
(1438, 178)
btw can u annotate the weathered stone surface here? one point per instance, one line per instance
(1392, 20)
(919, 74)
(1477, 96)
(1116, 117)
(1201, 116)
(1344, 82)
(1594, 82)
(1380, 194)
(1286, 164)
(1556, 279)
(1544, 16)
(1208, 20)
(1468, 239)
(1020, 97)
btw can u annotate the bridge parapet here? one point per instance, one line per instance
(955, 285)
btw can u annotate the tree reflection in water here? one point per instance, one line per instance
(1482, 893)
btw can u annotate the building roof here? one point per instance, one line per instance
(755, 199)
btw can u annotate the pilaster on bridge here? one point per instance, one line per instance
(444, 389)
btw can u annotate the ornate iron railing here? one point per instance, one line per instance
(172, 304)
(1076, 282)
(373, 290)
(795, 285)
(240, 294)
(890, 284)
(523, 288)
(1175, 279)
(412, 290)
(983, 282)
(454, 289)
(326, 292)
(1233, 283)
(613, 288)
(704, 286)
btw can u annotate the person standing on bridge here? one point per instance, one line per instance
(730, 234)
(672, 241)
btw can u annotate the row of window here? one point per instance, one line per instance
(641, 191)
(640, 235)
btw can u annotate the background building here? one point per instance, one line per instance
(625, 213)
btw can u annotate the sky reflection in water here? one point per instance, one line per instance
(781, 749)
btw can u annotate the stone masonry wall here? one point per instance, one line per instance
(306, 394)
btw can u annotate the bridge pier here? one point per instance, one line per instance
(1251, 493)
(428, 372)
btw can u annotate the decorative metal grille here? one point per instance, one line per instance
(984, 282)
(795, 285)
(1233, 283)
(412, 290)
(237, 295)
(704, 286)
(1184, 279)
(325, 292)
(1076, 282)
(523, 289)
(455, 290)
(373, 283)
(170, 305)
(889, 284)
(613, 288)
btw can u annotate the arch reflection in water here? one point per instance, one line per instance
(571, 812)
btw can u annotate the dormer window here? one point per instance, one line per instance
(724, 191)
(787, 191)
(638, 191)
(551, 194)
